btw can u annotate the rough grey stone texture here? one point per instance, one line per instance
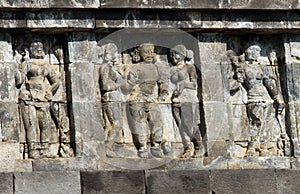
(82, 82)
(89, 131)
(287, 181)
(82, 47)
(9, 153)
(113, 182)
(245, 181)
(185, 181)
(9, 118)
(205, 4)
(191, 19)
(47, 182)
(87, 124)
(7, 79)
(65, 164)
(6, 183)
(36, 4)
(22, 165)
(60, 19)
(259, 163)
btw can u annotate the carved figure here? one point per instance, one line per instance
(65, 149)
(38, 83)
(149, 87)
(185, 102)
(256, 78)
(110, 80)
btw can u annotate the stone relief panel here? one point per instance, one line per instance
(257, 98)
(42, 100)
(149, 100)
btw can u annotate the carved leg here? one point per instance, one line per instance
(49, 133)
(156, 126)
(28, 113)
(254, 112)
(139, 128)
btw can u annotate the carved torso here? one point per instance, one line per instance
(253, 82)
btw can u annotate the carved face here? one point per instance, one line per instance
(147, 52)
(178, 53)
(111, 52)
(176, 57)
(36, 50)
(253, 52)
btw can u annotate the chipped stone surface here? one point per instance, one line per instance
(9, 153)
(107, 181)
(43, 182)
(248, 181)
(6, 183)
(178, 181)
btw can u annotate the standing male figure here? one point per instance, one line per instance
(149, 86)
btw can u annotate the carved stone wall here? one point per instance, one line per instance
(177, 90)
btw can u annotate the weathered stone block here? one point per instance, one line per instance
(6, 53)
(113, 182)
(86, 122)
(12, 19)
(188, 181)
(259, 163)
(217, 148)
(74, 4)
(288, 181)
(22, 165)
(186, 164)
(256, 4)
(47, 182)
(108, 18)
(82, 82)
(131, 4)
(10, 122)
(6, 183)
(82, 47)
(9, 153)
(7, 82)
(246, 181)
(61, 164)
(216, 121)
(215, 163)
(60, 19)
(207, 4)
(229, 20)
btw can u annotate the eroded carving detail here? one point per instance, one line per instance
(145, 90)
(38, 82)
(110, 81)
(185, 102)
(266, 120)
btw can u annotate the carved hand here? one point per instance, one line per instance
(48, 95)
(132, 78)
(279, 105)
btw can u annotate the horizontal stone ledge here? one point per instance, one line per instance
(130, 18)
(193, 19)
(46, 4)
(47, 19)
(152, 4)
(203, 4)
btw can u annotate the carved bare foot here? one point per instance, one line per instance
(34, 154)
(157, 152)
(144, 153)
(110, 153)
(186, 154)
(250, 152)
(197, 154)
